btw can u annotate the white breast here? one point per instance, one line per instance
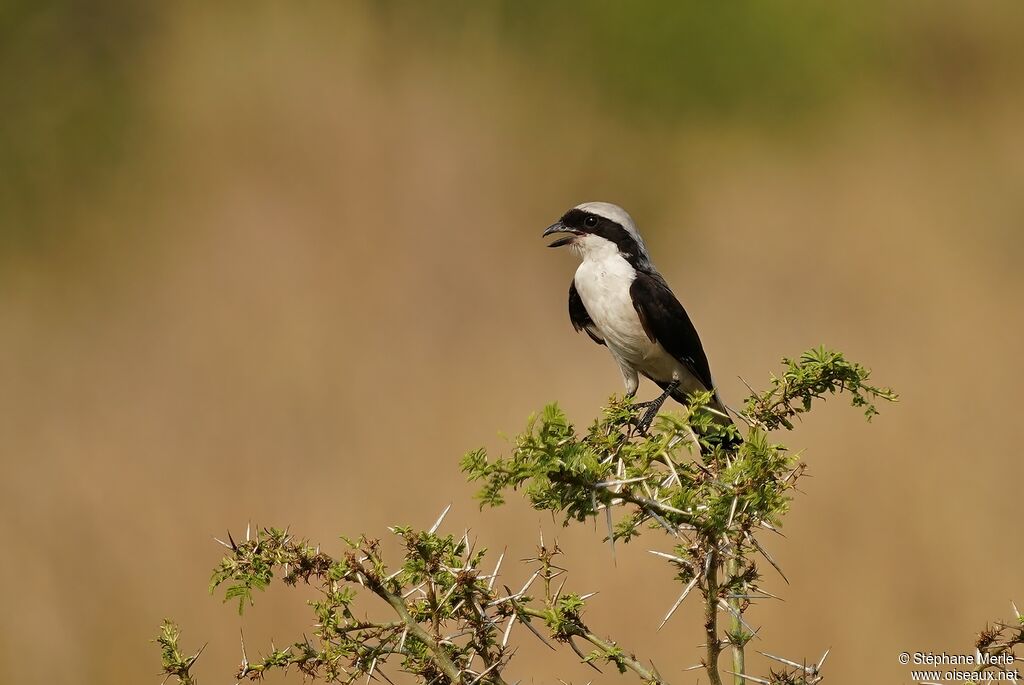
(603, 286)
(603, 281)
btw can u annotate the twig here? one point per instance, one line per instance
(738, 661)
(608, 647)
(714, 646)
(437, 652)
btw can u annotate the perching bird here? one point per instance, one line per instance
(620, 300)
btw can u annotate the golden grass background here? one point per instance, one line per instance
(313, 277)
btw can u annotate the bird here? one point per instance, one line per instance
(620, 300)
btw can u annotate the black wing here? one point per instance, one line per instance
(581, 320)
(665, 321)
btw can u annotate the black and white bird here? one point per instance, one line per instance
(621, 301)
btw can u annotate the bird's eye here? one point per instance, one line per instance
(590, 221)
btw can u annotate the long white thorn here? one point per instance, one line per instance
(558, 593)
(437, 524)
(757, 545)
(537, 633)
(751, 678)
(490, 583)
(679, 601)
(728, 607)
(445, 596)
(825, 656)
(508, 630)
(664, 524)
(611, 534)
(412, 590)
(485, 672)
(671, 466)
(671, 557)
(781, 660)
(617, 483)
(528, 583)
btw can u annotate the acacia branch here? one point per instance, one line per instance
(440, 657)
(714, 646)
(737, 637)
(717, 497)
(608, 648)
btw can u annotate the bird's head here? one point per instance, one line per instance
(599, 229)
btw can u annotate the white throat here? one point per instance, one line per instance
(594, 248)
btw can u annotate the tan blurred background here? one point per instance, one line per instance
(281, 263)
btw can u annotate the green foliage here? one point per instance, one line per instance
(730, 483)
(452, 626)
(691, 477)
(816, 373)
(251, 566)
(175, 663)
(713, 493)
(657, 474)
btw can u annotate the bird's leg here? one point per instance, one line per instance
(653, 406)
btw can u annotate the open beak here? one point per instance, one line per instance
(559, 227)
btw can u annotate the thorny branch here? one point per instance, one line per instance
(816, 373)
(711, 491)
(453, 625)
(692, 478)
(996, 644)
(563, 616)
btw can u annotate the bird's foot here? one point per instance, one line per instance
(646, 417)
(643, 426)
(652, 408)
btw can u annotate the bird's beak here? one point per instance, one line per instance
(559, 227)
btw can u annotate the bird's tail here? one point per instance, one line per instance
(725, 433)
(724, 430)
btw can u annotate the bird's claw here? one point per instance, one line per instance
(652, 407)
(643, 421)
(643, 426)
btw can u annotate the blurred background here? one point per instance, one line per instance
(281, 263)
